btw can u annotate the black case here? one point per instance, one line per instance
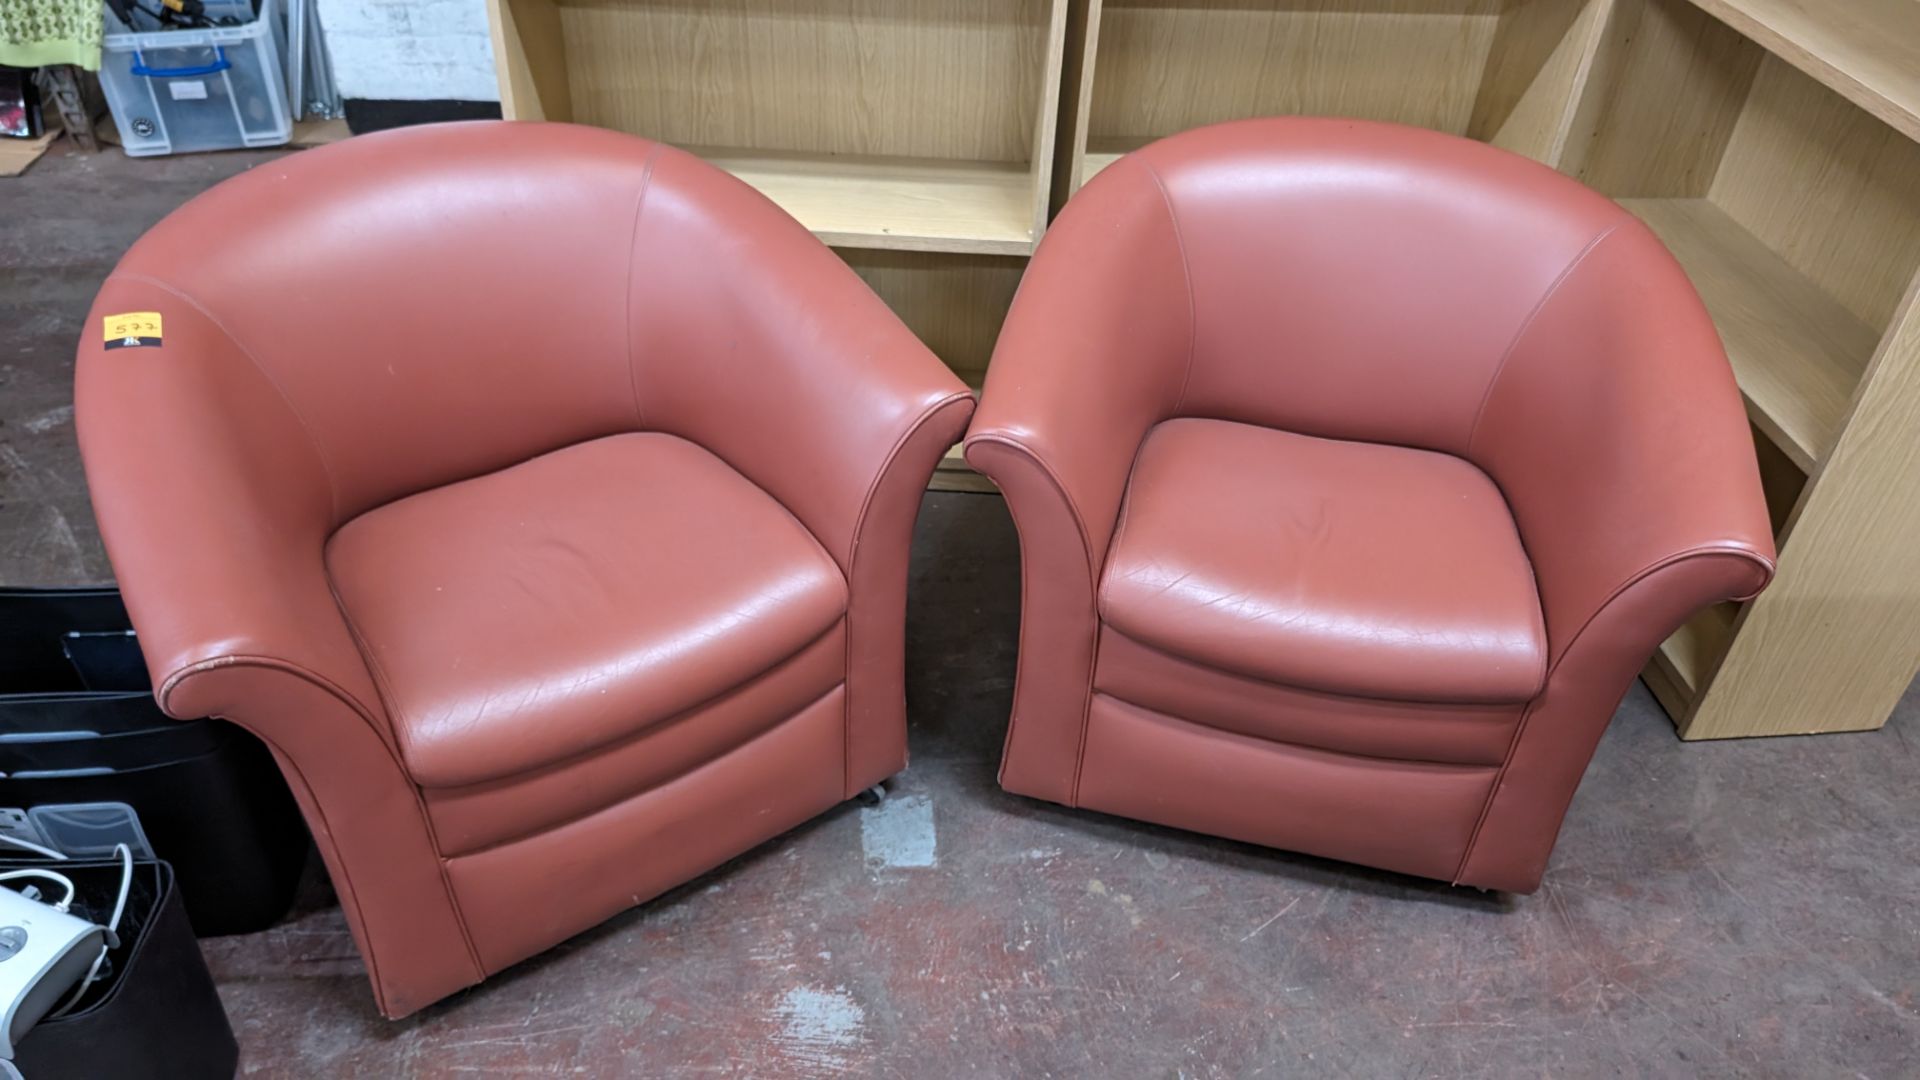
(210, 797)
(157, 1013)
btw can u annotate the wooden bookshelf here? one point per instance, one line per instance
(922, 125)
(1686, 660)
(1796, 351)
(955, 303)
(1867, 50)
(905, 204)
(915, 136)
(1496, 70)
(1772, 144)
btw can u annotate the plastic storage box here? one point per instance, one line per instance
(220, 88)
(87, 760)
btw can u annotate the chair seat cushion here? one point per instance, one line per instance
(1448, 732)
(531, 615)
(1350, 568)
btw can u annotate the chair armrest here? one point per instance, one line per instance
(1617, 433)
(752, 339)
(214, 508)
(1094, 353)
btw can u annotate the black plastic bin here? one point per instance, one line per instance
(78, 725)
(156, 1012)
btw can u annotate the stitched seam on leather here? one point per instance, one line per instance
(214, 663)
(345, 885)
(389, 703)
(306, 427)
(1264, 681)
(1533, 582)
(1086, 708)
(1120, 525)
(1079, 519)
(1099, 604)
(625, 799)
(1202, 726)
(633, 259)
(853, 554)
(1520, 731)
(1186, 273)
(1020, 646)
(1500, 367)
(1093, 593)
(301, 671)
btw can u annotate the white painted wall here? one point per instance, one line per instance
(410, 50)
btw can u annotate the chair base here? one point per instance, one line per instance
(1406, 816)
(521, 898)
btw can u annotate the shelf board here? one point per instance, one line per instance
(1105, 150)
(1796, 352)
(1097, 162)
(902, 204)
(1680, 666)
(1868, 51)
(311, 133)
(954, 474)
(17, 154)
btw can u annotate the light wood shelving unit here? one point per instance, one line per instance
(1773, 144)
(1489, 69)
(915, 136)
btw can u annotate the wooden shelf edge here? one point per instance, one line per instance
(1095, 162)
(1106, 150)
(954, 474)
(1679, 670)
(1673, 697)
(895, 204)
(311, 133)
(935, 245)
(1885, 32)
(1694, 732)
(1696, 647)
(1796, 352)
(17, 154)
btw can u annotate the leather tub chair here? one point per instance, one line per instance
(1358, 470)
(539, 494)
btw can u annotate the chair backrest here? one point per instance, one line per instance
(1363, 281)
(433, 303)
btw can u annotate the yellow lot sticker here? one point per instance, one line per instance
(133, 330)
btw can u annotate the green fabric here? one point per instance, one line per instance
(35, 33)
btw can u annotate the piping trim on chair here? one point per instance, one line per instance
(306, 428)
(1186, 274)
(321, 682)
(914, 428)
(1520, 730)
(633, 259)
(1026, 577)
(1526, 324)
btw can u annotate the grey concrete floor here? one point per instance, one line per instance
(1742, 908)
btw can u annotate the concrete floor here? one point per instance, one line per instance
(1713, 909)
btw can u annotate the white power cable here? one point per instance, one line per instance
(113, 927)
(45, 875)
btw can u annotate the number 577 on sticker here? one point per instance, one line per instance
(134, 330)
